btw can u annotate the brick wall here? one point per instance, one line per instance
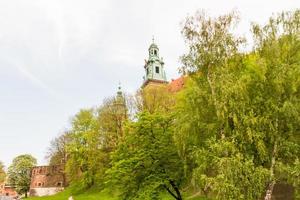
(46, 180)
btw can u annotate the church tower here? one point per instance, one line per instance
(154, 67)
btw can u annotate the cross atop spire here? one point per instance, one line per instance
(152, 38)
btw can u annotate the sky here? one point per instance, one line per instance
(59, 56)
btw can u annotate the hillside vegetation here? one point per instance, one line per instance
(231, 132)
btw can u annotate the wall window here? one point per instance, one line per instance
(157, 69)
(155, 52)
(147, 71)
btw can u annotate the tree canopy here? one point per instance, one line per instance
(232, 132)
(248, 131)
(2, 172)
(147, 162)
(19, 173)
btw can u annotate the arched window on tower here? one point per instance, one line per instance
(155, 52)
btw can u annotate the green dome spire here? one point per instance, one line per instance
(119, 99)
(154, 66)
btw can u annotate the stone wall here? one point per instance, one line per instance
(45, 191)
(6, 198)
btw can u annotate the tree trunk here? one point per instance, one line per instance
(211, 83)
(176, 190)
(272, 183)
(177, 196)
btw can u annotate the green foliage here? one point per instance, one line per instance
(2, 172)
(57, 152)
(84, 149)
(112, 114)
(232, 132)
(147, 161)
(239, 118)
(93, 135)
(155, 98)
(19, 173)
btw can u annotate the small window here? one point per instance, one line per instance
(155, 52)
(147, 71)
(157, 70)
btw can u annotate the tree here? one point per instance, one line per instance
(2, 173)
(112, 115)
(278, 44)
(155, 98)
(19, 173)
(93, 135)
(84, 149)
(147, 161)
(211, 44)
(57, 152)
(239, 115)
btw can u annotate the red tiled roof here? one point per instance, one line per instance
(177, 84)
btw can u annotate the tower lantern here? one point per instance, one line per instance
(154, 67)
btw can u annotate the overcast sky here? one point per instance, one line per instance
(57, 56)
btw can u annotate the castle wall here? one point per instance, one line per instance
(46, 180)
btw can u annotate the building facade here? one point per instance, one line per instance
(46, 180)
(7, 190)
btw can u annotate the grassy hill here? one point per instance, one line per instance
(93, 194)
(88, 195)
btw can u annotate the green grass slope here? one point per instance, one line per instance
(88, 195)
(95, 195)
